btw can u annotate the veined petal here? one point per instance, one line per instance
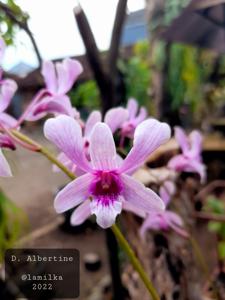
(67, 72)
(54, 105)
(132, 208)
(132, 107)
(93, 118)
(140, 196)
(178, 163)
(81, 213)
(182, 139)
(199, 168)
(115, 118)
(106, 214)
(66, 134)
(148, 136)
(196, 143)
(176, 223)
(141, 116)
(5, 170)
(49, 73)
(166, 191)
(73, 194)
(8, 89)
(153, 221)
(102, 148)
(7, 120)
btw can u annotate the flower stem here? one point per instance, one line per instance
(43, 150)
(121, 239)
(135, 262)
(199, 255)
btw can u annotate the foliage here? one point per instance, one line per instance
(173, 8)
(137, 73)
(8, 28)
(86, 95)
(12, 222)
(218, 207)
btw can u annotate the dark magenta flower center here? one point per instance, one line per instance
(106, 186)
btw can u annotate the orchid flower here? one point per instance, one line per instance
(113, 118)
(134, 119)
(190, 160)
(164, 220)
(106, 180)
(59, 79)
(8, 88)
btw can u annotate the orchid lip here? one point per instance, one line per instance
(106, 187)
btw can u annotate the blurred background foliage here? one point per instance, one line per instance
(217, 206)
(86, 95)
(8, 27)
(13, 222)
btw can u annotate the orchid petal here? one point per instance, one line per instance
(5, 170)
(141, 116)
(49, 74)
(73, 194)
(65, 133)
(178, 163)
(140, 196)
(132, 107)
(148, 136)
(67, 72)
(166, 191)
(176, 223)
(7, 142)
(182, 139)
(102, 148)
(94, 118)
(7, 120)
(153, 221)
(132, 208)
(52, 104)
(106, 214)
(81, 213)
(115, 118)
(199, 168)
(196, 143)
(8, 89)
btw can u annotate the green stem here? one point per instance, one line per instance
(199, 256)
(135, 262)
(202, 262)
(121, 239)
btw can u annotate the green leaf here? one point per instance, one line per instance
(221, 249)
(215, 205)
(214, 226)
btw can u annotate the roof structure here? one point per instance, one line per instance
(202, 23)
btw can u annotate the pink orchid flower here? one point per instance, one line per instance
(113, 118)
(190, 160)
(59, 79)
(134, 119)
(7, 90)
(106, 180)
(164, 220)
